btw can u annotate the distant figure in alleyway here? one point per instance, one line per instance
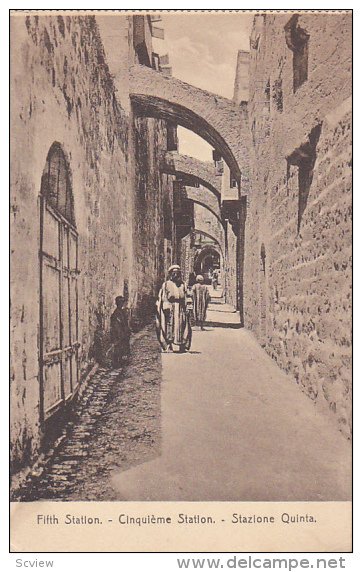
(201, 300)
(120, 333)
(215, 279)
(172, 320)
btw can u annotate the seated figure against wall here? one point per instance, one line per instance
(120, 333)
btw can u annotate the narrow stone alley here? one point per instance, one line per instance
(116, 425)
(181, 274)
(234, 427)
(132, 158)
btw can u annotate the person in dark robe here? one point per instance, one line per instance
(192, 280)
(172, 319)
(201, 299)
(120, 333)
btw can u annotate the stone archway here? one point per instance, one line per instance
(192, 168)
(216, 119)
(207, 258)
(204, 198)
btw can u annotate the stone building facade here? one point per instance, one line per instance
(297, 291)
(230, 273)
(152, 214)
(87, 194)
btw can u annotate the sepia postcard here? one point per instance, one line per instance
(181, 212)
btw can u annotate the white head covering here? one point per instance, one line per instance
(174, 267)
(199, 278)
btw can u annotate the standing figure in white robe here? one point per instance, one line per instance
(172, 320)
(201, 299)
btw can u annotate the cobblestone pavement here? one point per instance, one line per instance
(116, 426)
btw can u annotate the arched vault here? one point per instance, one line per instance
(203, 197)
(190, 167)
(206, 221)
(206, 251)
(216, 242)
(214, 118)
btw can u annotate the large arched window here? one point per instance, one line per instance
(59, 363)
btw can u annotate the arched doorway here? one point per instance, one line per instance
(59, 369)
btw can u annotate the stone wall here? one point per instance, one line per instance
(298, 236)
(153, 190)
(187, 257)
(63, 91)
(231, 280)
(202, 195)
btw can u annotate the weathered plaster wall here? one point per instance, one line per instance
(297, 284)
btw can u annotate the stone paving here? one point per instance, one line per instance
(116, 425)
(237, 428)
(234, 427)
